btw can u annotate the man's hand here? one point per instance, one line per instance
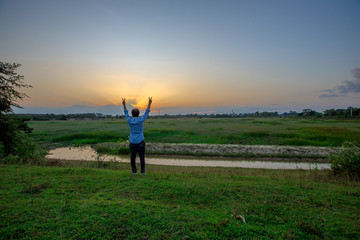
(150, 101)
(124, 102)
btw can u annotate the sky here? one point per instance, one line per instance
(191, 56)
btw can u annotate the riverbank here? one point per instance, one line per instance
(316, 154)
(71, 202)
(86, 153)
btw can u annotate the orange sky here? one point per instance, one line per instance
(104, 86)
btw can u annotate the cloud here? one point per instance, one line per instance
(328, 95)
(347, 87)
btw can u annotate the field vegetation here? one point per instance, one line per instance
(254, 131)
(95, 200)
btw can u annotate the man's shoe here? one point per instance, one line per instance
(143, 173)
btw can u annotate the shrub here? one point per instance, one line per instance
(112, 150)
(123, 150)
(347, 160)
(120, 140)
(25, 150)
(2, 151)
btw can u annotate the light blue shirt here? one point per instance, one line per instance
(136, 126)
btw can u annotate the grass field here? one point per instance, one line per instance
(264, 131)
(102, 200)
(81, 202)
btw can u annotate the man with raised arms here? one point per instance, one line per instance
(137, 139)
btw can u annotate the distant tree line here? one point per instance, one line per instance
(72, 116)
(350, 112)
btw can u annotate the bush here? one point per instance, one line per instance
(347, 160)
(112, 150)
(25, 151)
(123, 150)
(2, 151)
(28, 151)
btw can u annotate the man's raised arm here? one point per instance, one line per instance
(125, 110)
(144, 117)
(150, 101)
(124, 103)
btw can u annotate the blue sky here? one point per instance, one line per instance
(190, 56)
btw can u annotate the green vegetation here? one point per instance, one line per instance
(89, 138)
(102, 200)
(15, 144)
(72, 202)
(266, 131)
(347, 161)
(166, 149)
(104, 149)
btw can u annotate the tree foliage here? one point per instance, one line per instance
(10, 81)
(13, 130)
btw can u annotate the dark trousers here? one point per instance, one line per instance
(138, 148)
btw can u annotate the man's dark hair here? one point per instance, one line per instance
(135, 112)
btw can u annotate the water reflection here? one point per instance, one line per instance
(88, 154)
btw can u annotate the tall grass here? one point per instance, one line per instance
(296, 132)
(90, 137)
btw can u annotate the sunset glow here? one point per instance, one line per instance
(190, 56)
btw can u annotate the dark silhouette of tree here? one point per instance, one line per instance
(11, 127)
(10, 81)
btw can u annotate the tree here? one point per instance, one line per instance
(9, 82)
(13, 138)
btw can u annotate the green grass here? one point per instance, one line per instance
(89, 137)
(79, 202)
(267, 131)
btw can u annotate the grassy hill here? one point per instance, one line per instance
(78, 201)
